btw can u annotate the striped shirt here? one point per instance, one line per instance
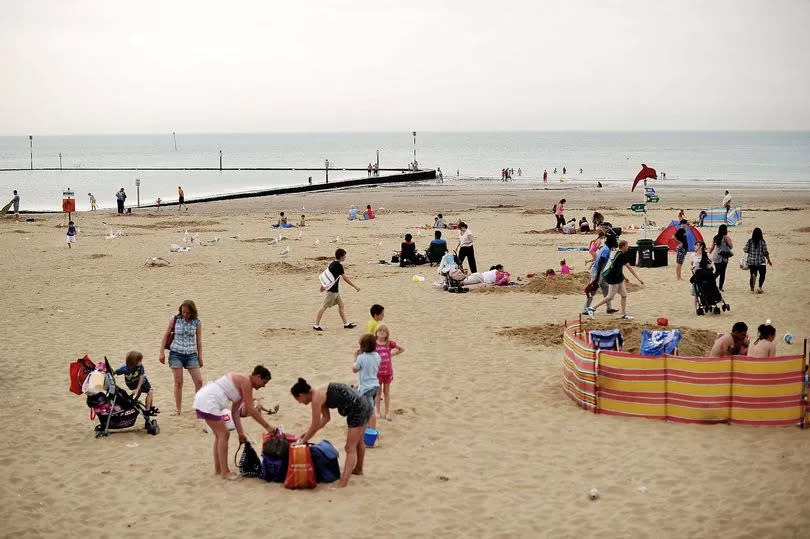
(185, 336)
(757, 254)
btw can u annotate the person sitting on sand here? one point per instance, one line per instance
(353, 215)
(583, 225)
(282, 222)
(550, 273)
(438, 222)
(597, 219)
(764, 345)
(351, 405)
(437, 248)
(368, 213)
(732, 344)
(565, 269)
(234, 389)
(407, 251)
(302, 222)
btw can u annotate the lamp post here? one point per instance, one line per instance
(378, 162)
(326, 165)
(31, 149)
(60, 160)
(414, 149)
(138, 190)
(220, 160)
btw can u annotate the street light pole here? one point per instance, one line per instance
(378, 161)
(220, 160)
(31, 148)
(326, 163)
(60, 160)
(138, 189)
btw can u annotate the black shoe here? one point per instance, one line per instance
(611, 311)
(350, 325)
(317, 328)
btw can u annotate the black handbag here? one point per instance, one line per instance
(249, 463)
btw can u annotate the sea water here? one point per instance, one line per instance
(750, 160)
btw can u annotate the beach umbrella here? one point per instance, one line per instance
(645, 173)
(667, 236)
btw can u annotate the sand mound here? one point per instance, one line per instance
(802, 229)
(536, 211)
(18, 231)
(545, 231)
(276, 332)
(321, 258)
(257, 240)
(695, 342)
(94, 256)
(560, 285)
(284, 268)
(194, 223)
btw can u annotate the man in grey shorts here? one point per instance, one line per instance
(332, 296)
(599, 265)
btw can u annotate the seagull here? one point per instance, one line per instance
(336, 240)
(285, 252)
(280, 237)
(379, 244)
(317, 241)
(272, 241)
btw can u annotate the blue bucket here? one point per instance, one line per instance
(370, 437)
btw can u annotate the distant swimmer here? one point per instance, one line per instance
(563, 171)
(599, 185)
(580, 171)
(545, 176)
(555, 170)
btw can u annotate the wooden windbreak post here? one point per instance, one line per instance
(731, 391)
(804, 385)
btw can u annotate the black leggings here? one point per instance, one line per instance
(560, 221)
(720, 271)
(754, 270)
(468, 252)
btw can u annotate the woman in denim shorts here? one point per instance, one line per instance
(185, 350)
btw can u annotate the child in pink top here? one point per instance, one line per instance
(565, 269)
(594, 246)
(385, 374)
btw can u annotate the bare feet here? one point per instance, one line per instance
(230, 476)
(388, 417)
(343, 484)
(357, 472)
(176, 412)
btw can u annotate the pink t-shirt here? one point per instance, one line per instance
(565, 269)
(560, 209)
(386, 365)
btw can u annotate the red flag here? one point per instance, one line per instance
(645, 173)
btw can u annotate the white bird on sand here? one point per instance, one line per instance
(336, 240)
(280, 237)
(300, 234)
(285, 252)
(379, 244)
(316, 242)
(272, 241)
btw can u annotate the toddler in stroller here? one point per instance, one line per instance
(707, 295)
(113, 407)
(453, 274)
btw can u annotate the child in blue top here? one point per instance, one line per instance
(135, 377)
(71, 234)
(366, 365)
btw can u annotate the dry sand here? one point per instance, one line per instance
(483, 442)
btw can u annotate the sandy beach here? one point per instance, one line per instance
(483, 441)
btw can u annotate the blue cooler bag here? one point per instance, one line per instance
(273, 470)
(325, 461)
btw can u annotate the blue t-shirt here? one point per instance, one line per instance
(602, 259)
(368, 364)
(131, 376)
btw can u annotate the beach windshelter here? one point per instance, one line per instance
(667, 236)
(719, 216)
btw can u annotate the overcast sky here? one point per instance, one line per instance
(377, 65)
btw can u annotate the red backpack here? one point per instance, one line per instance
(79, 370)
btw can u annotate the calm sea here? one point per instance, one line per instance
(703, 159)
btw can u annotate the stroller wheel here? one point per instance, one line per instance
(726, 307)
(699, 311)
(717, 310)
(152, 427)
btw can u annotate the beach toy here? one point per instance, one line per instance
(594, 494)
(789, 338)
(370, 437)
(662, 321)
(418, 279)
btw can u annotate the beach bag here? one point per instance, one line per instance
(170, 338)
(249, 463)
(744, 264)
(325, 461)
(327, 279)
(274, 470)
(725, 252)
(276, 447)
(79, 370)
(300, 472)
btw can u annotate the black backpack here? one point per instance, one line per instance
(276, 448)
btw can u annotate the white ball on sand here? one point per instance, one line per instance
(768, 321)
(594, 494)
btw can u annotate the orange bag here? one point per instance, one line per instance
(300, 471)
